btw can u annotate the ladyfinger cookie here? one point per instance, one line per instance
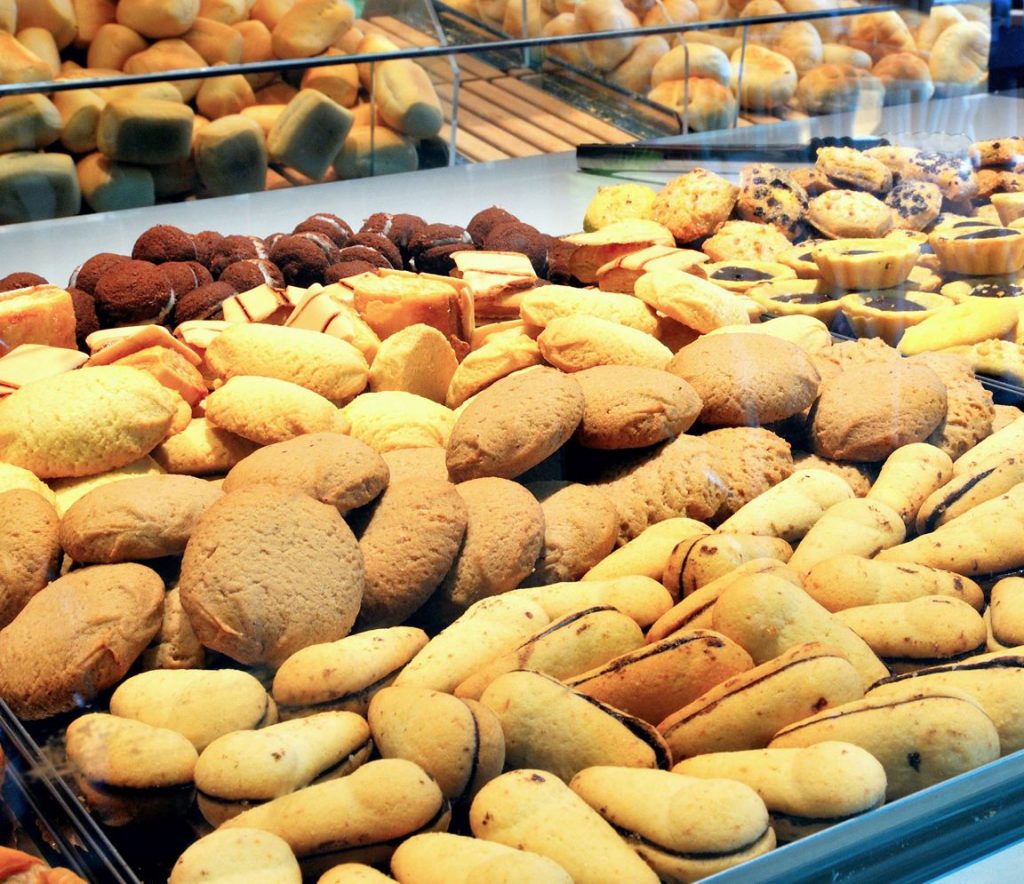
(696, 610)
(488, 628)
(1005, 614)
(848, 581)
(568, 646)
(921, 736)
(699, 560)
(685, 828)
(641, 598)
(243, 769)
(648, 552)
(745, 711)
(766, 616)
(922, 632)
(987, 539)
(805, 790)
(354, 873)
(358, 818)
(1000, 445)
(534, 810)
(443, 858)
(790, 508)
(458, 742)
(968, 489)
(859, 526)
(344, 675)
(909, 475)
(553, 727)
(654, 681)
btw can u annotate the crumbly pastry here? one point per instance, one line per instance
(514, 424)
(894, 156)
(257, 602)
(842, 214)
(749, 461)
(32, 553)
(953, 174)
(915, 204)
(745, 241)
(969, 405)
(621, 274)
(865, 264)
(597, 247)
(95, 620)
(798, 258)
(410, 463)
(617, 202)
(888, 313)
(813, 180)
(330, 467)
(730, 372)
(769, 195)
(694, 205)
(547, 302)
(809, 334)
(847, 167)
(906, 403)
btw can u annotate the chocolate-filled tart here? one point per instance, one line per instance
(1003, 285)
(979, 250)
(865, 264)
(888, 313)
(741, 276)
(799, 259)
(807, 297)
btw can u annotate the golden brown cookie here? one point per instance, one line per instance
(694, 205)
(575, 343)
(968, 404)
(259, 599)
(268, 410)
(688, 299)
(416, 463)
(201, 450)
(769, 195)
(849, 214)
(30, 556)
(514, 424)
(395, 419)
(748, 461)
(849, 168)
(633, 407)
(497, 357)
(745, 241)
(418, 359)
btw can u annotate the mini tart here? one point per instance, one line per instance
(888, 313)
(926, 256)
(1010, 285)
(799, 259)
(869, 264)
(1010, 206)
(741, 276)
(924, 279)
(804, 297)
(979, 251)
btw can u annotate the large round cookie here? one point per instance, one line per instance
(30, 552)
(514, 424)
(330, 467)
(633, 407)
(143, 518)
(268, 410)
(408, 546)
(749, 461)
(747, 380)
(268, 571)
(78, 636)
(84, 422)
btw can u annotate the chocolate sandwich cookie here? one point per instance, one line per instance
(431, 247)
(861, 526)
(303, 259)
(133, 292)
(484, 220)
(229, 249)
(164, 242)
(400, 229)
(726, 822)
(250, 273)
(20, 280)
(514, 236)
(243, 769)
(206, 242)
(202, 302)
(379, 243)
(87, 274)
(331, 226)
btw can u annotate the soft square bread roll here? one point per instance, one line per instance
(139, 130)
(35, 186)
(231, 156)
(309, 133)
(109, 186)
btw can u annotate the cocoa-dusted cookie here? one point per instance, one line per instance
(514, 236)
(969, 411)
(268, 571)
(87, 274)
(675, 479)
(431, 247)
(78, 636)
(303, 258)
(330, 467)
(252, 272)
(580, 526)
(849, 214)
(504, 537)
(408, 546)
(868, 411)
(694, 205)
(514, 424)
(747, 380)
(334, 228)
(481, 223)
(32, 553)
(748, 461)
(203, 302)
(86, 320)
(770, 195)
(164, 242)
(633, 407)
(132, 293)
(228, 249)
(399, 228)
(185, 275)
(377, 242)
(20, 280)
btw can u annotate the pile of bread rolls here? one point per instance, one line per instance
(133, 145)
(821, 66)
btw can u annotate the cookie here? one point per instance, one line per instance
(966, 491)
(575, 343)
(617, 202)
(909, 475)
(849, 214)
(745, 241)
(858, 476)
(633, 407)
(416, 463)
(344, 675)
(591, 251)
(32, 552)
(747, 380)
(673, 479)
(548, 302)
(969, 409)
(641, 598)
(143, 518)
(330, 467)
(84, 422)
(499, 356)
(201, 450)
(514, 424)
(849, 168)
(996, 152)
(261, 857)
(860, 525)
(504, 537)
(703, 558)
(579, 531)
(96, 621)
(437, 857)
(175, 646)
(396, 419)
(748, 461)
(915, 204)
(268, 410)
(696, 303)
(769, 195)
(953, 174)
(418, 359)
(906, 403)
(258, 601)
(694, 205)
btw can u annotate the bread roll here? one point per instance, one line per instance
(39, 42)
(164, 56)
(56, 16)
(375, 150)
(606, 15)
(19, 64)
(310, 26)
(762, 78)
(692, 60)
(231, 156)
(406, 99)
